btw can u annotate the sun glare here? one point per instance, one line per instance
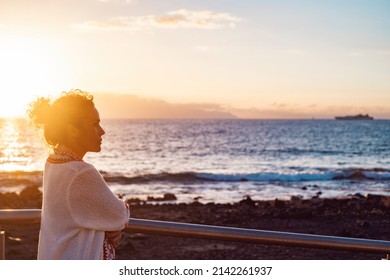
(29, 67)
(10, 145)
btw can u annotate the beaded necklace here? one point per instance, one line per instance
(63, 154)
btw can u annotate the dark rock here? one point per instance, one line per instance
(10, 200)
(170, 196)
(134, 201)
(364, 224)
(354, 204)
(125, 244)
(315, 200)
(167, 196)
(385, 201)
(32, 197)
(30, 193)
(279, 203)
(138, 236)
(358, 195)
(247, 201)
(374, 198)
(345, 233)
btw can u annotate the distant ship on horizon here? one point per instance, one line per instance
(355, 117)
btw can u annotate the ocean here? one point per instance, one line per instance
(221, 161)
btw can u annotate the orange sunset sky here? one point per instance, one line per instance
(198, 58)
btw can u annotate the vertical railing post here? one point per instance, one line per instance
(2, 244)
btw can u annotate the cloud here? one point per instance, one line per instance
(113, 24)
(179, 19)
(197, 19)
(279, 105)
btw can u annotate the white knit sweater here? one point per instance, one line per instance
(78, 207)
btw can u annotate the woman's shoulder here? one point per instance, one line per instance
(83, 167)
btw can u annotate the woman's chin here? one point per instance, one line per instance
(96, 149)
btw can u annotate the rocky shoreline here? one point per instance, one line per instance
(353, 216)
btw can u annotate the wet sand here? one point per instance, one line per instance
(353, 216)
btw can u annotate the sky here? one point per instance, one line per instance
(209, 58)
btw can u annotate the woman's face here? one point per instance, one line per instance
(90, 132)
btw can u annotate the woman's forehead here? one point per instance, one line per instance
(91, 114)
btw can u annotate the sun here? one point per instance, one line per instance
(29, 67)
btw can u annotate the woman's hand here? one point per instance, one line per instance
(114, 237)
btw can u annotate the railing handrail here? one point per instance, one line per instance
(20, 216)
(17, 216)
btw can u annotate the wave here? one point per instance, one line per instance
(19, 177)
(195, 177)
(375, 174)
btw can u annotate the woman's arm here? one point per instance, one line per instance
(93, 205)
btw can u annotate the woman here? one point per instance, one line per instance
(81, 217)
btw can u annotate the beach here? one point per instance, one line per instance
(354, 216)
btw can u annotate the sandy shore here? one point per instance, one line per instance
(354, 216)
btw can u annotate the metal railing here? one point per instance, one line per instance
(219, 233)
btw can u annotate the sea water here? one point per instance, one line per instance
(219, 160)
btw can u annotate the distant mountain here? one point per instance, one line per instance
(130, 106)
(121, 106)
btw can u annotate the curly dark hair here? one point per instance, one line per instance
(53, 117)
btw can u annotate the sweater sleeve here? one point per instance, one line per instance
(93, 205)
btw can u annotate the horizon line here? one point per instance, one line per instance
(214, 119)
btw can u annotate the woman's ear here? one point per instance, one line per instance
(73, 131)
